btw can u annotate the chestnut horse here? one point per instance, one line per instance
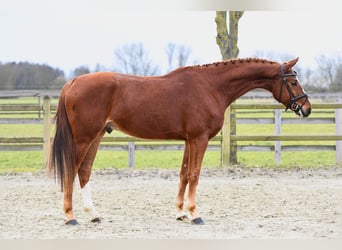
(186, 104)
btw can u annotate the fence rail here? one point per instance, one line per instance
(45, 110)
(231, 142)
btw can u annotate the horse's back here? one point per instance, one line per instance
(162, 107)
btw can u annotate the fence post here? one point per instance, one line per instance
(338, 124)
(46, 129)
(131, 154)
(277, 131)
(225, 142)
(39, 111)
(233, 143)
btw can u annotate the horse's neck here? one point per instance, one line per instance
(233, 82)
(235, 89)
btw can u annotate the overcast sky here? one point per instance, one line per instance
(68, 34)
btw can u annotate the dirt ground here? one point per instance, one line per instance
(234, 203)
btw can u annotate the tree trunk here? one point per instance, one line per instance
(227, 42)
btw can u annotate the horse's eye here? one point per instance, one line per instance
(294, 83)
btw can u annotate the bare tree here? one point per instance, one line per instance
(326, 67)
(272, 55)
(283, 57)
(337, 84)
(170, 51)
(227, 39)
(81, 70)
(99, 68)
(330, 70)
(227, 42)
(177, 55)
(134, 59)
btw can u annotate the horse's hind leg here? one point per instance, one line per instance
(84, 173)
(68, 210)
(81, 150)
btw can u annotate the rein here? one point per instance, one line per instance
(294, 99)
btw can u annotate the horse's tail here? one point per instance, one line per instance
(63, 157)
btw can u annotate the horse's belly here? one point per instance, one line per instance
(150, 128)
(151, 133)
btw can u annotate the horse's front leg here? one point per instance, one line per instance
(183, 182)
(197, 150)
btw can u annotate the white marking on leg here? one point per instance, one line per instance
(180, 214)
(88, 203)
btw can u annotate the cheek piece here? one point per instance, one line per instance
(292, 104)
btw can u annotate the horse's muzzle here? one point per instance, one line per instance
(304, 112)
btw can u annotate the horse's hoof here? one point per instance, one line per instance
(197, 221)
(97, 219)
(183, 218)
(71, 222)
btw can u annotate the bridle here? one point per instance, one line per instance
(292, 103)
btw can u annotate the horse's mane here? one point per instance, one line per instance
(224, 63)
(236, 60)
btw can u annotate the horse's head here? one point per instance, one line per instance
(289, 91)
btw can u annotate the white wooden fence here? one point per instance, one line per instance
(225, 143)
(277, 137)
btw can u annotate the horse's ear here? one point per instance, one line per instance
(288, 65)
